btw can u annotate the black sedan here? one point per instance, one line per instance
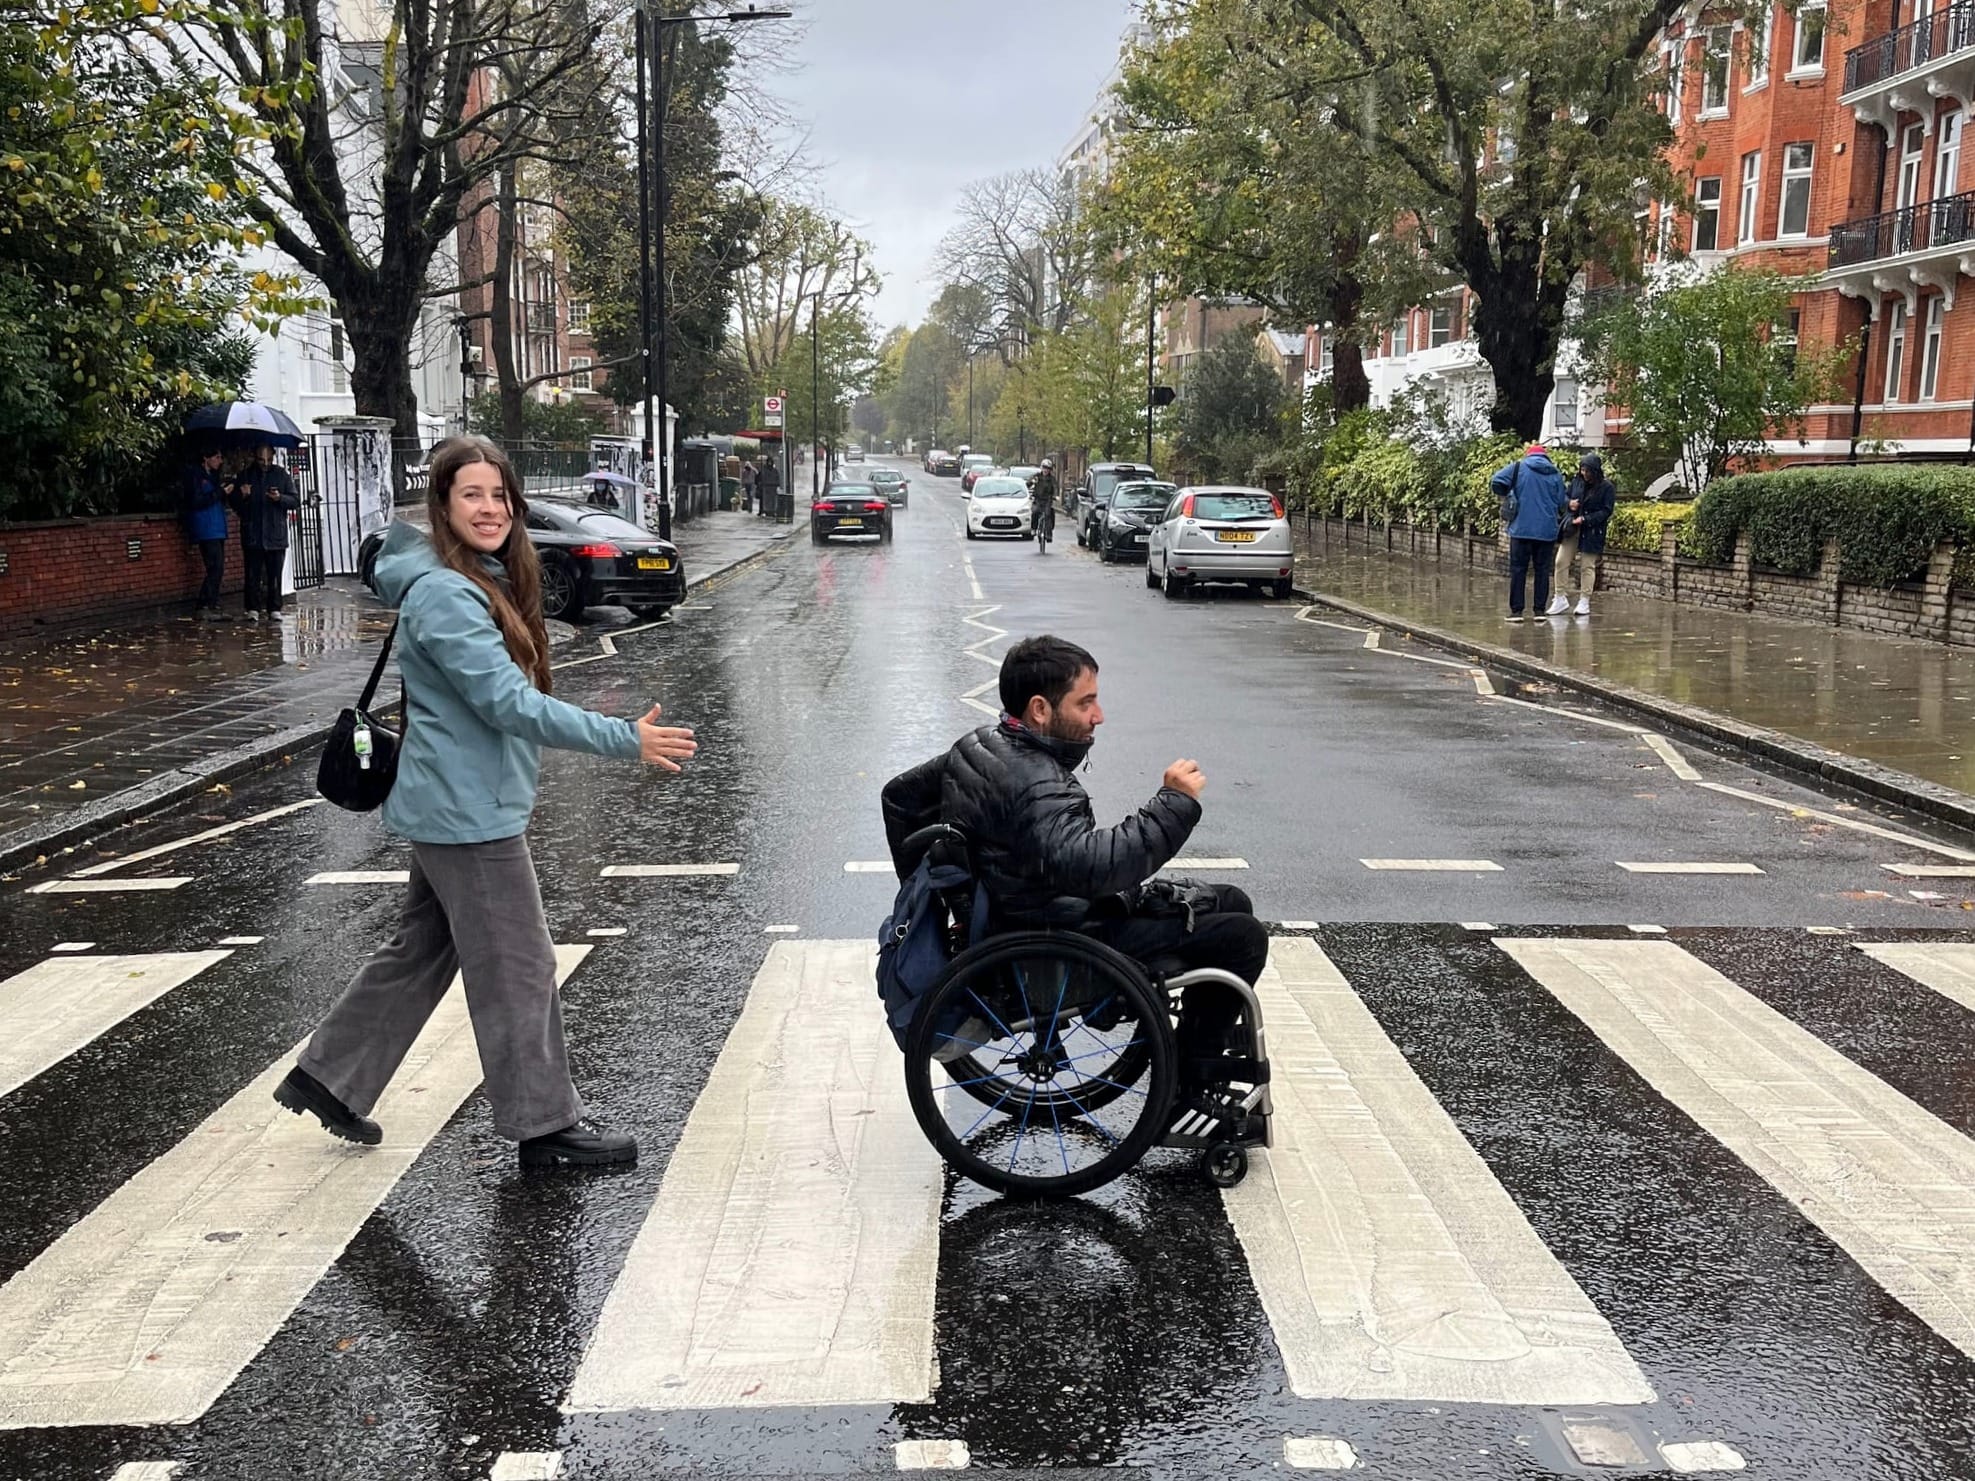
(889, 482)
(1126, 517)
(850, 508)
(943, 465)
(590, 558)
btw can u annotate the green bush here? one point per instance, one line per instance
(1384, 480)
(1887, 518)
(1636, 524)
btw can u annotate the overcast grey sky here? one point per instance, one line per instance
(908, 100)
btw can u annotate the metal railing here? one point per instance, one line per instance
(541, 318)
(1915, 44)
(1946, 222)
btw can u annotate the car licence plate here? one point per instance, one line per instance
(654, 563)
(1002, 524)
(1235, 537)
(843, 523)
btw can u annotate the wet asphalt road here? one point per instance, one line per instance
(1121, 1331)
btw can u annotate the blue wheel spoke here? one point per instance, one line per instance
(1107, 1049)
(1027, 1106)
(985, 1114)
(1006, 1031)
(1084, 1111)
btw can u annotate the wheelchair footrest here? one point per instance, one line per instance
(1225, 1070)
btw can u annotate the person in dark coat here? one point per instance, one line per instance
(768, 485)
(1535, 488)
(1589, 501)
(264, 498)
(1032, 834)
(204, 506)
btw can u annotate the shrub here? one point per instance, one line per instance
(1385, 479)
(1636, 524)
(1887, 518)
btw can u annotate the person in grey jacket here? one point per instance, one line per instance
(475, 658)
(1535, 488)
(1589, 502)
(264, 497)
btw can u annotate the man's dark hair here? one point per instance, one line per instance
(1047, 666)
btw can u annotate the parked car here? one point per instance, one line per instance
(999, 505)
(590, 558)
(889, 482)
(849, 507)
(943, 464)
(1127, 519)
(932, 454)
(1220, 532)
(972, 473)
(1095, 492)
(852, 453)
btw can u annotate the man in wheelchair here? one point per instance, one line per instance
(1011, 789)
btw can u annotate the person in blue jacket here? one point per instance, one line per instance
(204, 505)
(1532, 494)
(475, 658)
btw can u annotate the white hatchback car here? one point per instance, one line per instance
(998, 505)
(1221, 532)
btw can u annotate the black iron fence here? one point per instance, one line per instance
(1946, 222)
(1913, 45)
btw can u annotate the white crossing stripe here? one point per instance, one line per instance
(1301, 925)
(107, 886)
(667, 871)
(360, 876)
(1931, 871)
(197, 838)
(73, 946)
(147, 1470)
(57, 1006)
(609, 931)
(241, 940)
(1948, 967)
(1439, 866)
(1676, 763)
(780, 930)
(1829, 930)
(1318, 1453)
(1647, 930)
(932, 1455)
(868, 866)
(1210, 864)
(1687, 868)
(1390, 1262)
(1889, 1182)
(1477, 925)
(526, 1465)
(790, 1257)
(150, 1306)
(1698, 1457)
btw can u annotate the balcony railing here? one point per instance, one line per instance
(1946, 222)
(541, 318)
(1913, 45)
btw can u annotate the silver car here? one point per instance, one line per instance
(1220, 532)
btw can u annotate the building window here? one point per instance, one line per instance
(1402, 336)
(1440, 326)
(1566, 403)
(579, 373)
(1714, 70)
(1326, 358)
(1793, 216)
(1809, 53)
(1895, 349)
(1947, 157)
(1745, 221)
(1676, 79)
(1759, 51)
(579, 318)
(1786, 342)
(1707, 214)
(1930, 348)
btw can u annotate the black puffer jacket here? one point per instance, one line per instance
(1034, 836)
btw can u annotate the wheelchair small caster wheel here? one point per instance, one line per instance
(1225, 1164)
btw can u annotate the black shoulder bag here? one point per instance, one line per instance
(360, 761)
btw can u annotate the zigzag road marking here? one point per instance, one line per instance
(994, 635)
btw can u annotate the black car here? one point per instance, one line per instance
(889, 482)
(590, 558)
(1087, 504)
(847, 508)
(1125, 518)
(943, 465)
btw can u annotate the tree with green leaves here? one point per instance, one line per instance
(1708, 368)
(1230, 412)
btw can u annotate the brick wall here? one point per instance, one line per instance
(64, 571)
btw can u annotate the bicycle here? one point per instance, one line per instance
(1045, 527)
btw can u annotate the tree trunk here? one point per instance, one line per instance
(380, 382)
(1518, 325)
(501, 326)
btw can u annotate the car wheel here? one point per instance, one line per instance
(1104, 551)
(885, 537)
(562, 595)
(1283, 589)
(816, 536)
(1083, 538)
(1174, 588)
(1151, 581)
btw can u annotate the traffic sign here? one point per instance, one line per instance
(771, 411)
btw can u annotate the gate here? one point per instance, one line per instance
(305, 527)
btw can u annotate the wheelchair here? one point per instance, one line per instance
(1042, 1063)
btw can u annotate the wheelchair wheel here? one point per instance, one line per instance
(1041, 1064)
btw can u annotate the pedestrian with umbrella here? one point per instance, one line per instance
(263, 496)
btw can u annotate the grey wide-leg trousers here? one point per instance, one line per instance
(474, 909)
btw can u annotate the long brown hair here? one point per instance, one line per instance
(517, 607)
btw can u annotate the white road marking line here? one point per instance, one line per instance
(791, 1255)
(667, 871)
(1948, 967)
(1206, 863)
(527, 1465)
(780, 930)
(1477, 925)
(1927, 894)
(608, 931)
(147, 1470)
(868, 866)
(1390, 1262)
(197, 838)
(973, 697)
(1841, 821)
(241, 940)
(1301, 925)
(1698, 1457)
(107, 886)
(1829, 930)
(73, 946)
(1887, 1180)
(1647, 930)
(1318, 1453)
(1482, 684)
(1931, 871)
(1691, 867)
(606, 648)
(1371, 640)
(360, 876)
(1562, 713)
(146, 1309)
(931, 1455)
(1676, 763)
(1439, 866)
(56, 1007)
(973, 650)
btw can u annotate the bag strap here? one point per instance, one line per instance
(377, 669)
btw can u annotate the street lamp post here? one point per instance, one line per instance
(655, 342)
(816, 367)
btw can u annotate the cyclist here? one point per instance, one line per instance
(1042, 500)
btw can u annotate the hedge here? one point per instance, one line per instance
(1887, 518)
(1636, 524)
(1366, 472)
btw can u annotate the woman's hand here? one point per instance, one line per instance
(664, 745)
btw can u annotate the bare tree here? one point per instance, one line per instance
(799, 253)
(1019, 240)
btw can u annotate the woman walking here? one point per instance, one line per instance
(475, 659)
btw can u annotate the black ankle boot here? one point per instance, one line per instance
(585, 1144)
(301, 1091)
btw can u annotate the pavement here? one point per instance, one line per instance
(1623, 1115)
(1893, 718)
(99, 727)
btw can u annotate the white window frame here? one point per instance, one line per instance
(1947, 155)
(1402, 335)
(1676, 79)
(1437, 333)
(1760, 36)
(1704, 209)
(1797, 180)
(579, 373)
(1750, 205)
(1800, 29)
(579, 316)
(1930, 347)
(1712, 49)
(1565, 413)
(1326, 357)
(1792, 336)
(1895, 352)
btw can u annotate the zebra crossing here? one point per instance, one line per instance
(1515, 1172)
